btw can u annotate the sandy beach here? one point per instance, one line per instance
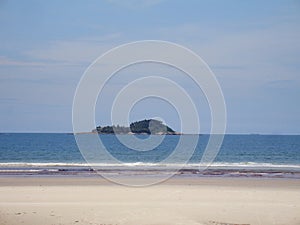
(181, 200)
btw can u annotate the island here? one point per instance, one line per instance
(151, 126)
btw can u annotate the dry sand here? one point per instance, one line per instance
(210, 201)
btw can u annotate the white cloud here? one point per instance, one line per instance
(135, 4)
(259, 55)
(5, 61)
(78, 51)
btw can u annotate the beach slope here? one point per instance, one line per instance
(210, 201)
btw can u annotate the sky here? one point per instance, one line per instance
(252, 47)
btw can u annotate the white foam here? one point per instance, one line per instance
(148, 165)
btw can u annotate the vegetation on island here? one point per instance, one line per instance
(151, 126)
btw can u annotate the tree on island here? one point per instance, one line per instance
(151, 126)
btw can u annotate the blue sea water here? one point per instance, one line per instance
(56, 152)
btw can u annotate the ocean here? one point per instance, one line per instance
(42, 154)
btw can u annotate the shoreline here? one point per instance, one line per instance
(137, 170)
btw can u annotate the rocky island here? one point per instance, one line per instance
(151, 126)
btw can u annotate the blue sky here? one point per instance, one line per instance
(252, 47)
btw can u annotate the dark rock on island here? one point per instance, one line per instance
(151, 126)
